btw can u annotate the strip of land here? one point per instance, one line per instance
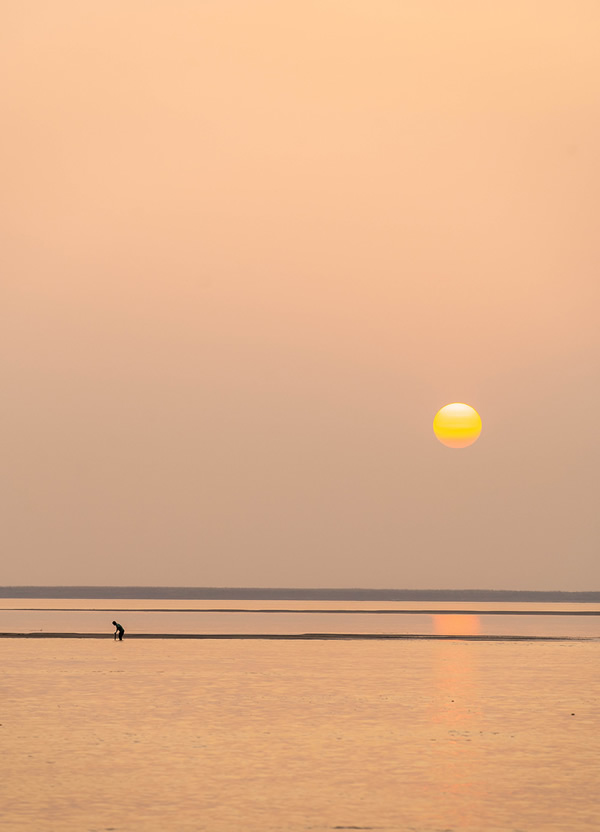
(298, 594)
(305, 612)
(297, 637)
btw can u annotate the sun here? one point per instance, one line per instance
(457, 425)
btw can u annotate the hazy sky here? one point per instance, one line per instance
(250, 248)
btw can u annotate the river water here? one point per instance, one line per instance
(230, 734)
(168, 617)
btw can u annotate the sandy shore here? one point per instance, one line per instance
(308, 611)
(301, 637)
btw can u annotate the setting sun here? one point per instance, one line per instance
(457, 425)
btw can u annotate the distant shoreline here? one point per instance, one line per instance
(296, 637)
(283, 611)
(294, 594)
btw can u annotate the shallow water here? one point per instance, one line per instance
(262, 735)
(288, 617)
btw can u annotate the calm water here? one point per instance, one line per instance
(188, 617)
(262, 735)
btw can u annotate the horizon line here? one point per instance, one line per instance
(279, 588)
(315, 594)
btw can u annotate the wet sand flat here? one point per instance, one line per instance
(299, 636)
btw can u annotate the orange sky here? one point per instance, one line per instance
(249, 249)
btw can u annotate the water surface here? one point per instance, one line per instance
(298, 735)
(298, 617)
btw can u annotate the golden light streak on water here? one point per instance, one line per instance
(456, 625)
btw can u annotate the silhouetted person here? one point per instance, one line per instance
(119, 631)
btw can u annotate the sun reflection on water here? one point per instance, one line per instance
(455, 718)
(456, 625)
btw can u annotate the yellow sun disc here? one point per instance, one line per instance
(457, 425)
